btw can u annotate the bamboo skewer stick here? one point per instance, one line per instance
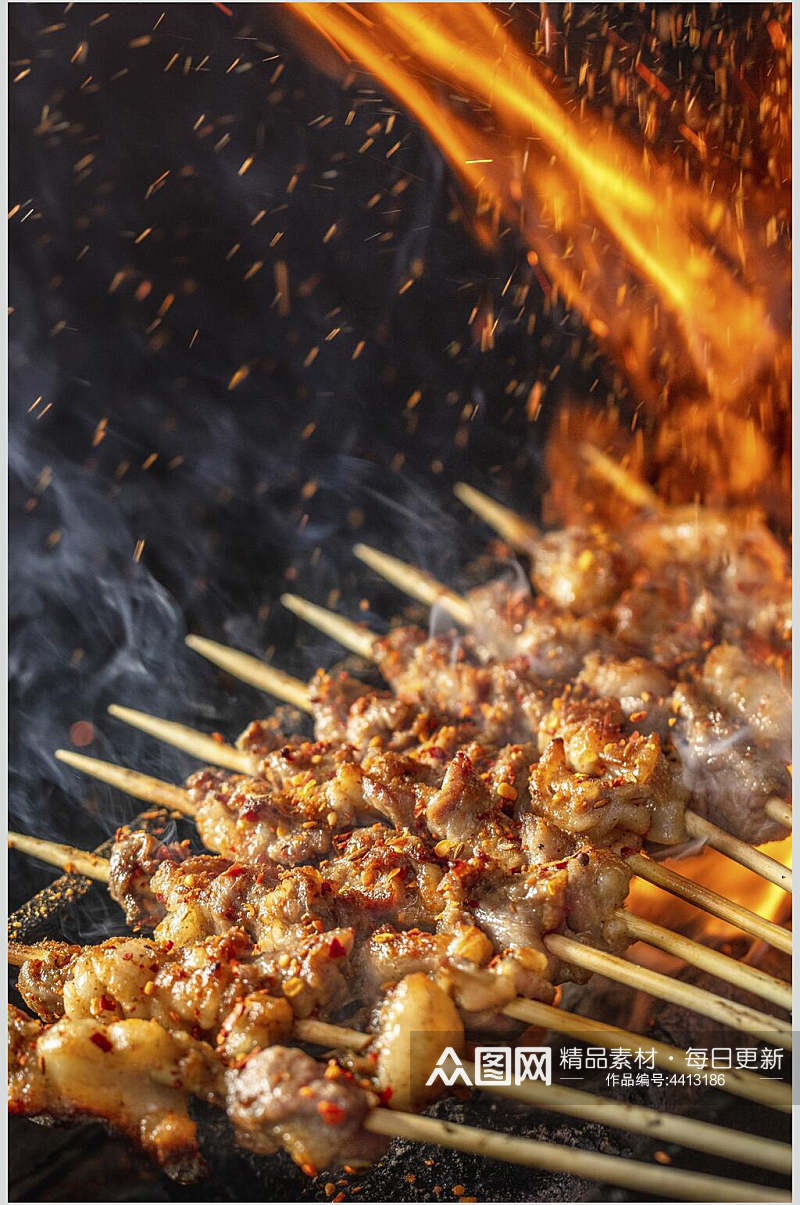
(426, 588)
(199, 744)
(746, 855)
(752, 979)
(779, 811)
(253, 671)
(610, 1169)
(515, 530)
(355, 637)
(350, 635)
(65, 857)
(662, 1127)
(416, 584)
(635, 490)
(323, 1033)
(710, 901)
(671, 1058)
(675, 991)
(141, 786)
(772, 1093)
(572, 1102)
(728, 969)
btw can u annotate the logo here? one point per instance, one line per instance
(494, 1065)
(458, 1075)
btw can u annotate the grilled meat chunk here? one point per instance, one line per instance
(138, 1078)
(135, 858)
(283, 1098)
(579, 568)
(41, 978)
(219, 989)
(732, 775)
(640, 686)
(554, 641)
(596, 780)
(288, 821)
(76, 1070)
(751, 691)
(415, 1022)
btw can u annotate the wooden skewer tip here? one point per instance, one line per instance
(198, 744)
(253, 671)
(417, 583)
(351, 635)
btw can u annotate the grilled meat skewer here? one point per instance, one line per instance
(139, 1077)
(224, 992)
(508, 700)
(730, 556)
(503, 916)
(278, 1097)
(380, 880)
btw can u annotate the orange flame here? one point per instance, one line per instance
(631, 246)
(714, 870)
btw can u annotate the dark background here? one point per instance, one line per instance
(182, 448)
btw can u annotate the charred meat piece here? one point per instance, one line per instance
(554, 641)
(414, 1023)
(641, 688)
(261, 737)
(503, 699)
(316, 792)
(736, 546)
(383, 875)
(138, 1078)
(578, 896)
(350, 712)
(135, 858)
(41, 979)
(283, 1098)
(468, 817)
(596, 780)
(218, 989)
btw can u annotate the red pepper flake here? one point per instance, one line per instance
(386, 1094)
(336, 949)
(102, 1041)
(108, 1004)
(331, 1114)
